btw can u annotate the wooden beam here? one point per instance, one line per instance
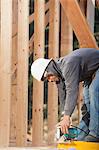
(39, 29)
(14, 72)
(31, 17)
(5, 69)
(53, 53)
(79, 23)
(31, 41)
(22, 73)
(54, 28)
(66, 35)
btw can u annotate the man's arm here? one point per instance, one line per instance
(65, 122)
(71, 75)
(61, 94)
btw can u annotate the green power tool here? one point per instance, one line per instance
(71, 135)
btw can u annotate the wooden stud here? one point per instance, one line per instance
(39, 29)
(54, 53)
(31, 41)
(5, 69)
(66, 35)
(14, 72)
(80, 26)
(22, 73)
(31, 17)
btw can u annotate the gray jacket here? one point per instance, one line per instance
(76, 67)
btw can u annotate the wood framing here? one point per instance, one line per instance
(14, 55)
(39, 29)
(31, 41)
(22, 73)
(5, 69)
(53, 53)
(31, 17)
(14, 72)
(66, 35)
(80, 26)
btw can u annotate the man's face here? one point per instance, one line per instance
(52, 78)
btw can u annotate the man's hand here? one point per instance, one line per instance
(64, 124)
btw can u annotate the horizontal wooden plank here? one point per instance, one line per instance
(32, 148)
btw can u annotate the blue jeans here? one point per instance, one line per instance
(90, 109)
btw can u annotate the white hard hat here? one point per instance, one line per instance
(38, 67)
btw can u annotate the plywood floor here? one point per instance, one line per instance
(32, 148)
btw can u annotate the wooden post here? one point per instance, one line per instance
(14, 73)
(22, 72)
(39, 28)
(66, 35)
(80, 26)
(54, 53)
(5, 69)
(91, 13)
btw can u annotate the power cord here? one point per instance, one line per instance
(83, 131)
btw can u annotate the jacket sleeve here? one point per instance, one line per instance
(71, 76)
(61, 94)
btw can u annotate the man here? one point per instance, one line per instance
(80, 65)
